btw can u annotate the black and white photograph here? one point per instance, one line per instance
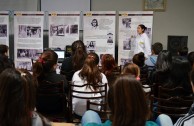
(67, 29)
(127, 44)
(91, 45)
(24, 65)
(73, 29)
(124, 61)
(110, 38)
(126, 22)
(3, 30)
(57, 30)
(29, 31)
(94, 23)
(28, 53)
(148, 32)
(60, 30)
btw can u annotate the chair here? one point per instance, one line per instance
(175, 107)
(104, 113)
(51, 100)
(171, 92)
(86, 95)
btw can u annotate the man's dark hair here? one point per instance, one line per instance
(157, 48)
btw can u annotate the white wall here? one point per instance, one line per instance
(177, 20)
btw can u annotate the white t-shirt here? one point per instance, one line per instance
(79, 105)
(142, 44)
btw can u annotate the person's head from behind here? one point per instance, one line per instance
(183, 51)
(180, 72)
(164, 61)
(129, 107)
(139, 59)
(17, 101)
(141, 29)
(157, 48)
(190, 57)
(131, 68)
(90, 70)
(4, 50)
(94, 23)
(108, 63)
(78, 54)
(46, 63)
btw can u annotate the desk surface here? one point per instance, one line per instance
(62, 124)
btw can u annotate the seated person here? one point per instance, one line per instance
(187, 120)
(128, 108)
(75, 61)
(132, 69)
(44, 69)
(108, 66)
(156, 49)
(17, 101)
(89, 74)
(5, 62)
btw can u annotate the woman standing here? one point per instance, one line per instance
(142, 41)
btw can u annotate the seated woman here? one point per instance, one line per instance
(139, 60)
(5, 62)
(108, 66)
(17, 101)
(89, 74)
(129, 108)
(179, 75)
(44, 69)
(132, 69)
(76, 61)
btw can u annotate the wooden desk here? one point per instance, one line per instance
(62, 124)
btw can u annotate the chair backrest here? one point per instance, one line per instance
(103, 112)
(175, 107)
(171, 92)
(51, 98)
(86, 95)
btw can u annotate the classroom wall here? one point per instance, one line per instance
(176, 20)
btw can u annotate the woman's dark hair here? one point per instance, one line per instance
(190, 57)
(5, 62)
(164, 61)
(180, 73)
(157, 48)
(192, 77)
(108, 64)
(90, 71)
(44, 64)
(139, 59)
(17, 101)
(129, 108)
(78, 54)
(143, 27)
(3, 49)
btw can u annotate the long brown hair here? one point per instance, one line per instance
(44, 64)
(108, 64)
(90, 71)
(127, 102)
(17, 101)
(78, 54)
